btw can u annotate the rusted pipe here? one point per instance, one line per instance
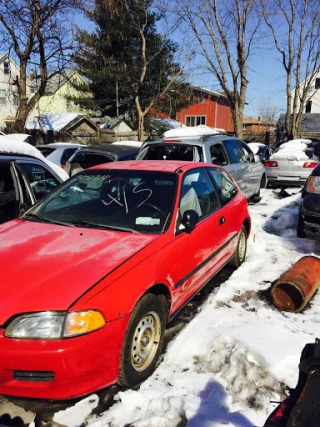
(294, 289)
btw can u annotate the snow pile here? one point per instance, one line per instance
(294, 150)
(254, 146)
(192, 131)
(8, 145)
(75, 415)
(246, 380)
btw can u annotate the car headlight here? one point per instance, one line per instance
(313, 185)
(54, 325)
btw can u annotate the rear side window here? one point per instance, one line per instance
(87, 160)
(67, 154)
(171, 151)
(226, 188)
(46, 150)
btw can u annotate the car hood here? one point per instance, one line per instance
(47, 267)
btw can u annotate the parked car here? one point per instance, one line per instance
(104, 263)
(262, 152)
(227, 151)
(86, 157)
(309, 212)
(292, 163)
(59, 152)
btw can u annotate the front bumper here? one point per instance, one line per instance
(310, 222)
(61, 369)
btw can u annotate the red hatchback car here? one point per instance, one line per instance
(92, 274)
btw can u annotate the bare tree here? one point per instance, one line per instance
(225, 33)
(266, 110)
(38, 34)
(295, 28)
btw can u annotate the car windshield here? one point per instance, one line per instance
(171, 151)
(125, 200)
(46, 150)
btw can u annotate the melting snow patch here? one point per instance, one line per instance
(246, 380)
(76, 415)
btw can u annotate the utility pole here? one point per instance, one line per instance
(117, 97)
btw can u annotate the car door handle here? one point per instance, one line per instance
(222, 220)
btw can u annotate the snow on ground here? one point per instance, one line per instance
(239, 352)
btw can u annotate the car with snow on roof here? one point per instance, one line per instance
(104, 263)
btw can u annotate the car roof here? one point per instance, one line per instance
(61, 144)
(152, 165)
(118, 150)
(201, 140)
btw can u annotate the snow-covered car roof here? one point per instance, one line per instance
(9, 145)
(16, 136)
(128, 143)
(293, 149)
(62, 144)
(254, 146)
(192, 131)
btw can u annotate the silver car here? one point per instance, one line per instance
(227, 151)
(291, 164)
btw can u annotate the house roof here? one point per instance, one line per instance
(209, 92)
(56, 121)
(257, 121)
(310, 122)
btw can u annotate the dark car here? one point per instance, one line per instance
(87, 157)
(309, 213)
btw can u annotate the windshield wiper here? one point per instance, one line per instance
(39, 218)
(102, 226)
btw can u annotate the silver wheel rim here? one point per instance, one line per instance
(145, 341)
(242, 247)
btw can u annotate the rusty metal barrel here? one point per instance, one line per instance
(294, 289)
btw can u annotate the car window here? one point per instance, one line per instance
(218, 155)
(41, 180)
(171, 151)
(67, 153)
(46, 150)
(138, 201)
(7, 194)
(198, 193)
(87, 160)
(226, 188)
(235, 150)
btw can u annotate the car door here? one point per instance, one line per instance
(253, 172)
(207, 248)
(237, 165)
(15, 193)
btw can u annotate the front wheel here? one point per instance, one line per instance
(241, 250)
(143, 341)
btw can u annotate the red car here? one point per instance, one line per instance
(92, 274)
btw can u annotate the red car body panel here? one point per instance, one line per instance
(72, 268)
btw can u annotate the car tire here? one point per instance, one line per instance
(240, 253)
(143, 340)
(300, 232)
(256, 197)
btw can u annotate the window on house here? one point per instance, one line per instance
(2, 96)
(308, 106)
(6, 67)
(195, 120)
(244, 126)
(317, 83)
(68, 104)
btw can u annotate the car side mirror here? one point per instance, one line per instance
(190, 219)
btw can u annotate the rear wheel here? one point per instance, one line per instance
(143, 341)
(241, 250)
(300, 232)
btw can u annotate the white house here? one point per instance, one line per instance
(313, 100)
(9, 98)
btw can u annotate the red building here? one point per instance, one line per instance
(211, 109)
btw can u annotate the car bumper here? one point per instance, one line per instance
(277, 179)
(61, 369)
(311, 224)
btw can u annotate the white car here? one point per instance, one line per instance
(59, 152)
(291, 164)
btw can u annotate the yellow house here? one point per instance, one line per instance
(62, 91)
